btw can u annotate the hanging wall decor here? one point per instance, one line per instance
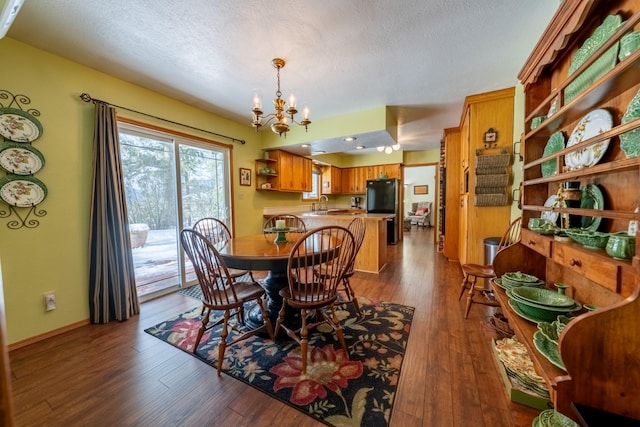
(19, 189)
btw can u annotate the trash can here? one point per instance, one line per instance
(490, 249)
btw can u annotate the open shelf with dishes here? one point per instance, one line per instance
(266, 174)
(582, 171)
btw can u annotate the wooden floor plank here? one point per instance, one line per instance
(116, 374)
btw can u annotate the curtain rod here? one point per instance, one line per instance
(87, 98)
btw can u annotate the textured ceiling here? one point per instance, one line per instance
(419, 57)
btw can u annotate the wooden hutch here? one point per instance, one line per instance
(600, 349)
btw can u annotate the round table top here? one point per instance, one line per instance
(257, 251)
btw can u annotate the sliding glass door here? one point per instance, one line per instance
(170, 182)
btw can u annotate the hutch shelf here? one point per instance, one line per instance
(600, 349)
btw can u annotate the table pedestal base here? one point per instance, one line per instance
(272, 284)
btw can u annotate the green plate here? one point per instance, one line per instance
(592, 198)
(601, 65)
(548, 349)
(630, 141)
(555, 144)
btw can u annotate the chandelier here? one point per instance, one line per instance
(281, 116)
(388, 148)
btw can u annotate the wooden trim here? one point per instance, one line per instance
(173, 132)
(485, 97)
(49, 334)
(568, 19)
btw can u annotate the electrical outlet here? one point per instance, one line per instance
(49, 301)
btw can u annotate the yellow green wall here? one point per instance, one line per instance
(518, 128)
(54, 255)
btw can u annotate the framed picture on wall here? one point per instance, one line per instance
(420, 189)
(245, 176)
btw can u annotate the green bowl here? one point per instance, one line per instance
(589, 239)
(541, 312)
(543, 296)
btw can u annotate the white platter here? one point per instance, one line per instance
(593, 124)
(548, 215)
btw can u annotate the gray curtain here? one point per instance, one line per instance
(112, 287)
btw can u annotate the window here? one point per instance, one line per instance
(314, 194)
(170, 182)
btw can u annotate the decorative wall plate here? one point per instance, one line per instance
(630, 141)
(592, 198)
(555, 144)
(551, 216)
(20, 126)
(593, 124)
(20, 158)
(22, 191)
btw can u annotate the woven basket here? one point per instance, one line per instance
(492, 180)
(490, 190)
(492, 171)
(493, 161)
(491, 200)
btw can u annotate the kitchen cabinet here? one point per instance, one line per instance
(293, 173)
(599, 348)
(480, 113)
(266, 174)
(331, 180)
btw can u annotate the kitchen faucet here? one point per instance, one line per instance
(322, 203)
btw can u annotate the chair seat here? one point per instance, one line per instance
(478, 270)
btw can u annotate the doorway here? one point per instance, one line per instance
(170, 182)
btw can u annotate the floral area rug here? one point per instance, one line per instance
(338, 391)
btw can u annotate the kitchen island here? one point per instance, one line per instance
(373, 254)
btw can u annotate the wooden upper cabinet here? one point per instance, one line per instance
(331, 180)
(294, 172)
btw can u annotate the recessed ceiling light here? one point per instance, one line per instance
(304, 145)
(319, 152)
(381, 148)
(350, 138)
(359, 147)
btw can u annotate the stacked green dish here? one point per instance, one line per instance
(516, 279)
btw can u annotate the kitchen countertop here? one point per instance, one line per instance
(345, 214)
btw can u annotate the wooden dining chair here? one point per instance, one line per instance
(217, 231)
(473, 272)
(357, 228)
(313, 283)
(293, 222)
(220, 292)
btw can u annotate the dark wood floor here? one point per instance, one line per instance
(116, 374)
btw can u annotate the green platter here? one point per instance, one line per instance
(554, 144)
(630, 141)
(548, 349)
(592, 198)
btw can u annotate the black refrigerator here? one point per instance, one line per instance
(382, 197)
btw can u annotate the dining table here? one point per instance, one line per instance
(263, 252)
